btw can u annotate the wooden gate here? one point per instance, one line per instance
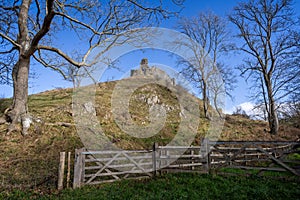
(94, 167)
(256, 156)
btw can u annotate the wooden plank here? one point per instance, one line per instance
(259, 168)
(83, 168)
(117, 159)
(100, 182)
(253, 142)
(119, 166)
(297, 162)
(185, 171)
(160, 163)
(185, 165)
(110, 181)
(154, 156)
(250, 150)
(178, 147)
(141, 162)
(114, 152)
(133, 161)
(168, 155)
(279, 162)
(229, 159)
(69, 170)
(173, 157)
(104, 166)
(214, 161)
(115, 173)
(61, 170)
(78, 168)
(101, 165)
(207, 152)
(192, 156)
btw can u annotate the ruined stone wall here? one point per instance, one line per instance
(156, 73)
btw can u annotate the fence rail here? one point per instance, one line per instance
(94, 167)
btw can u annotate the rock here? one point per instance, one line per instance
(26, 121)
(153, 100)
(89, 107)
(154, 72)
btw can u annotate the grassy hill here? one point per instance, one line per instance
(32, 160)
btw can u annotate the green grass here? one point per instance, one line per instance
(177, 186)
(294, 156)
(32, 161)
(254, 172)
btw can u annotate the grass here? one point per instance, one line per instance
(254, 172)
(176, 186)
(32, 161)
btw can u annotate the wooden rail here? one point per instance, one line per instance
(94, 167)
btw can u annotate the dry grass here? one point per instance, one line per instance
(33, 160)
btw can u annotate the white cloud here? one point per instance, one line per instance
(248, 107)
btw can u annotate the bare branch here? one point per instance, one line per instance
(203, 68)
(93, 22)
(62, 54)
(43, 62)
(13, 42)
(13, 8)
(38, 13)
(79, 22)
(157, 9)
(9, 51)
(45, 28)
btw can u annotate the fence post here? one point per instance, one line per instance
(61, 170)
(207, 154)
(161, 161)
(154, 149)
(78, 168)
(192, 157)
(168, 156)
(69, 169)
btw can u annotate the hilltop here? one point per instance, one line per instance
(32, 160)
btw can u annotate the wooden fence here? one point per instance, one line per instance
(94, 167)
(215, 156)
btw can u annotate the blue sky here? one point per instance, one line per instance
(47, 79)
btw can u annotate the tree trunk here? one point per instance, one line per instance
(216, 106)
(272, 113)
(205, 100)
(18, 111)
(273, 119)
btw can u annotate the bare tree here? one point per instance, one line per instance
(270, 35)
(240, 112)
(221, 84)
(210, 33)
(290, 111)
(28, 31)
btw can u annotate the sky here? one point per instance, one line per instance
(46, 79)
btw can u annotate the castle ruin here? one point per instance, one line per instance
(153, 72)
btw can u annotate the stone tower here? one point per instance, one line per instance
(144, 66)
(144, 61)
(154, 72)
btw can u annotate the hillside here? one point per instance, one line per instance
(32, 160)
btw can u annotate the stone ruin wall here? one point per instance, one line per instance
(146, 71)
